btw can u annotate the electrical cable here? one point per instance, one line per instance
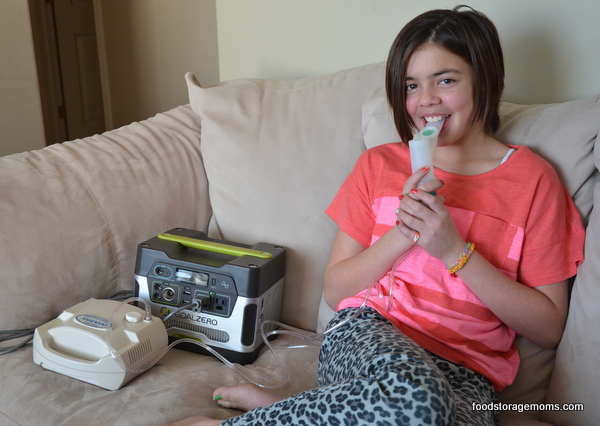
(28, 332)
(121, 295)
(13, 348)
(192, 305)
(16, 334)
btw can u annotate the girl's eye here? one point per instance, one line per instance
(447, 81)
(410, 87)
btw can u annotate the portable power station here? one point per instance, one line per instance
(236, 286)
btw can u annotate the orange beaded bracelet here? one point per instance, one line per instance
(462, 260)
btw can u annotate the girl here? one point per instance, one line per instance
(488, 248)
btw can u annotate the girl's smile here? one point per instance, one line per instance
(439, 85)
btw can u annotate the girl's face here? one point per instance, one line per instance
(440, 84)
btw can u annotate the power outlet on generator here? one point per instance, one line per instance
(220, 304)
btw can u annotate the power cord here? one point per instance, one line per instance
(8, 335)
(27, 333)
(121, 295)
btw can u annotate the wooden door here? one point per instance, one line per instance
(79, 67)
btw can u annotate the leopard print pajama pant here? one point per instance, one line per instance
(372, 374)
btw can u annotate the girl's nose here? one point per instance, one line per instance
(429, 97)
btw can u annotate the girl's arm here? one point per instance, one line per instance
(536, 313)
(353, 267)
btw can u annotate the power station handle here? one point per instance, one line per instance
(215, 247)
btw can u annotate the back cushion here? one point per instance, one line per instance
(577, 357)
(275, 154)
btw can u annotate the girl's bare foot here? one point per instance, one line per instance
(196, 421)
(243, 397)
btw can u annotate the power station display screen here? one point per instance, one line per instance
(192, 277)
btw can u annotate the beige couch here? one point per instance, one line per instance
(247, 161)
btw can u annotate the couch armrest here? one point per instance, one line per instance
(72, 214)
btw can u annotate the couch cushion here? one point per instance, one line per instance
(577, 359)
(75, 212)
(565, 135)
(275, 154)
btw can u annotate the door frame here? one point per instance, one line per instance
(103, 60)
(48, 68)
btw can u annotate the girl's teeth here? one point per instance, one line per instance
(433, 119)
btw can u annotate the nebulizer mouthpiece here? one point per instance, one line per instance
(422, 147)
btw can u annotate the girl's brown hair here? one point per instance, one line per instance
(465, 33)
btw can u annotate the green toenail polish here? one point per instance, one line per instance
(217, 397)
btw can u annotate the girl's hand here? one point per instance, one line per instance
(413, 182)
(424, 213)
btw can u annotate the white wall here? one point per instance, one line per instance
(148, 47)
(21, 123)
(551, 46)
(551, 49)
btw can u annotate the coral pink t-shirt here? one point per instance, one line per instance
(520, 218)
